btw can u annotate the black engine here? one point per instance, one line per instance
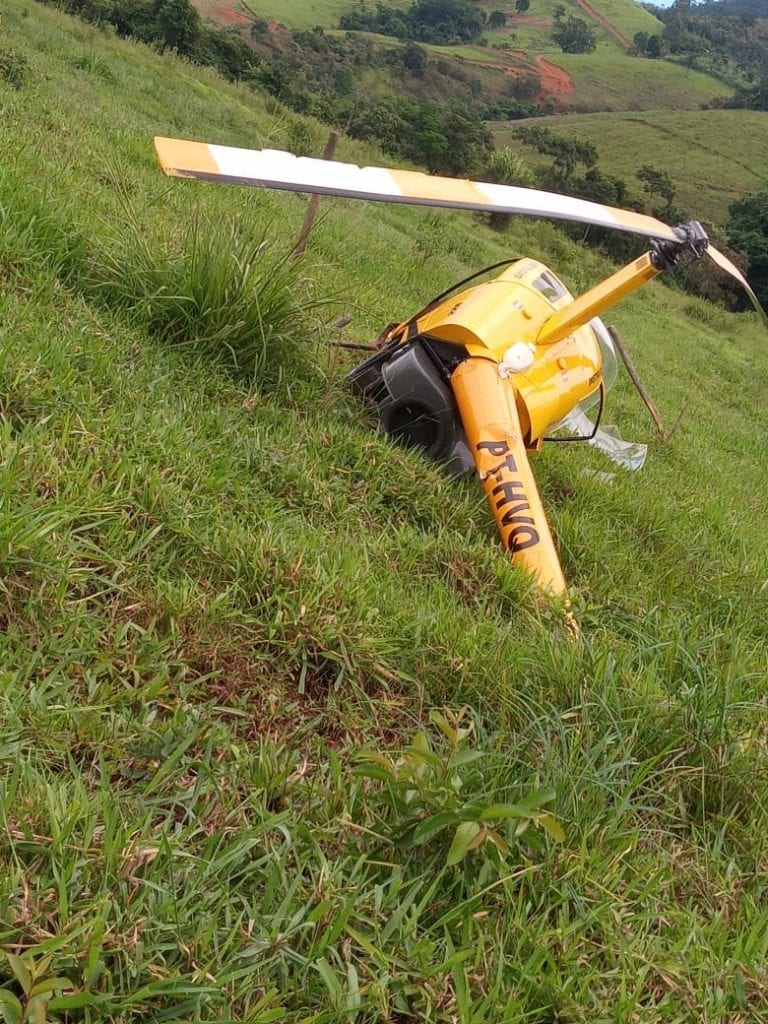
(408, 385)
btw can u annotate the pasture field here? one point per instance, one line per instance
(531, 31)
(714, 157)
(254, 656)
(608, 79)
(612, 80)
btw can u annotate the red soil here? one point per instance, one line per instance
(554, 81)
(556, 84)
(227, 14)
(224, 13)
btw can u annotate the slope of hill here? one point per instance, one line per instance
(609, 79)
(605, 80)
(616, 21)
(735, 8)
(714, 157)
(215, 594)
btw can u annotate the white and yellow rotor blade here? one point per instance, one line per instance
(725, 264)
(271, 168)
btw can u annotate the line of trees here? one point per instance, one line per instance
(443, 22)
(575, 171)
(169, 25)
(717, 38)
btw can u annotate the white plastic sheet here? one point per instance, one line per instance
(629, 454)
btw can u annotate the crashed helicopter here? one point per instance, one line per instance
(481, 376)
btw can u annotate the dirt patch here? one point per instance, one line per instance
(612, 31)
(225, 13)
(555, 82)
(305, 705)
(530, 21)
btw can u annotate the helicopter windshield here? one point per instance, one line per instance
(549, 286)
(608, 355)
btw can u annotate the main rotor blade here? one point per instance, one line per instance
(271, 168)
(730, 268)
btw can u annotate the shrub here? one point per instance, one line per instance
(13, 68)
(94, 66)
(214, 288)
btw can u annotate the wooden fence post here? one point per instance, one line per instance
(664, 435)
(314, 202)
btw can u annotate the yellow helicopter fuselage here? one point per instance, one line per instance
(518, 352)
(487, 319)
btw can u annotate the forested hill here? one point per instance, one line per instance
(733, 8)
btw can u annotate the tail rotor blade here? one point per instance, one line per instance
(725, 264)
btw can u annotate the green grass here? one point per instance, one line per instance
(615, 81)
(293, 14)
(625, 15)
(628, 18)
(216, 592)
(713, 156)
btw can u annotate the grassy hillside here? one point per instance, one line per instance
(608, 79)
(713, 156)
(216, 592)
(531, 31)
(613, 81)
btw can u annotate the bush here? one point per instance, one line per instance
(215, 289)
(505, 167)
(13, 68)
(94, 66)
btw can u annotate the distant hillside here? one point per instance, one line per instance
(733, 8)
(713, 156)
(729, 44)
(613, 77)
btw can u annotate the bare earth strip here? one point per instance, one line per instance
(604, 23)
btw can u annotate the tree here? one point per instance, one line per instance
(497, 19)
(176, 25)
(259, 28)
(574, 35)
(755, 98)
(524, 87)
(602, 188)
(657, 182)
(414, 58)
(344, 81)
(747, 231)
(445, 21)
(653, 47)
(640, 41)
(521, 6)
(567, 153)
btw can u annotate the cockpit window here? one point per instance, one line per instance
(549, 286)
